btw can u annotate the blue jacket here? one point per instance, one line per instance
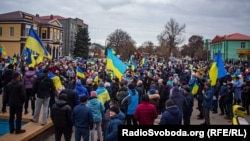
(82, 116)
(208, 98)
(80, 90)
(97, 109)
(171, 116)
(111, 132)
(132, 100)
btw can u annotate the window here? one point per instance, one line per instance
(1, 31)
(27, 29)
(242, 45)
(11, 31)
(43, 34)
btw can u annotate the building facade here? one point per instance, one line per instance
(14, 29)
(232, 47)
(70, 29)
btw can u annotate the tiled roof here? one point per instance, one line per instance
(51, 17)
(17, 15)
(235, 36)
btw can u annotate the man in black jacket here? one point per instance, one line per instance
(71, 97)
(61, 117)
(43, 87)
(6, 78)
(16, 92)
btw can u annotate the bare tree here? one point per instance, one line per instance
(196, 45)
(172, 35)
(121, 42)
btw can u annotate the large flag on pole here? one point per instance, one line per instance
(34, 43)
(115, 64)
(217, 70)
(132, 63)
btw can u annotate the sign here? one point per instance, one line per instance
(243, 51)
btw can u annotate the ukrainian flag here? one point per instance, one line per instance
(34, 43)
(3, 50)
(217, 70)
(144, 62)
(195, 89)
(103, 95)
(132, 63)
(95, 80)
(80, 73)
(56, 80)
(30, 58)
(39, 59)
(115, 64)
(91, 61)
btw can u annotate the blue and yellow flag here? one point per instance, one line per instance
(30, 58)
(39, 59)
(80, 73)
(103, 95)
(95, 80)
(3, 50)
(115, 64)
(56, 80)
(194, 89)
(132, 63)
(91, 61)
(217, 70)
(144, 62)
(34, 43)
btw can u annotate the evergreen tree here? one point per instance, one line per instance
(82, 43)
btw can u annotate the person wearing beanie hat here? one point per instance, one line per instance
(97, 109)
(178, 98)
(172, 115)
(188, 110)
(131, 86)
(116, 119)
(16, 96)
(82, 119)
(61, 117)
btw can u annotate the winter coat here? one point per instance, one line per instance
(29, 79)
(145, 113)
(171, 116)
(43, 86)
(15, 91)
(80, 90)
(61, 114)
(72, 99)
(179, 99)
(154, 99)
(82, 117)
(208, 98)
(190, 103)
(111, 130)
(97, 109)
(122, 93)
(132, 100)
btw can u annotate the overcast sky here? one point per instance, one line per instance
(143, 20)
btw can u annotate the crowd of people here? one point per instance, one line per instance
(99, 101)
